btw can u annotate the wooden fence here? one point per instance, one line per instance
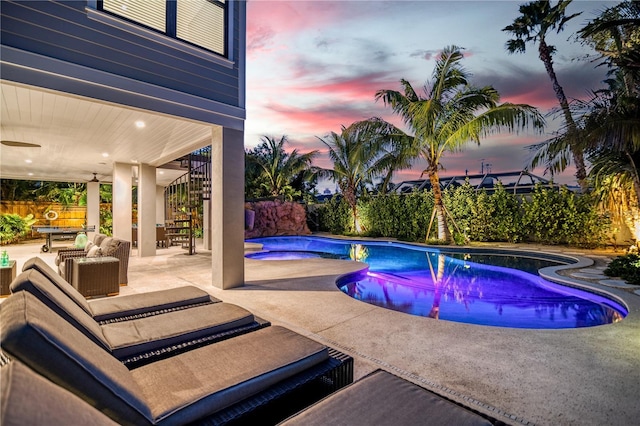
(67, 216)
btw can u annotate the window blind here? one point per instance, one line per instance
(201, 22)
(151, 13)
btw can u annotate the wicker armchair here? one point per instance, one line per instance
(65, 269)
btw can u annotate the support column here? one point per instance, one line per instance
(121, 203)
(227, 208)
(160, 205)
(146, 210)
(206, 226)
(93, 207)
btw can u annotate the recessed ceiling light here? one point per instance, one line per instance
(105, 154)
(30, 174)
(161, 172)
(28, 161)
(140, 124)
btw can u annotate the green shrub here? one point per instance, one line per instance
(546, 216)
(506, 217)
(335, 216)
(563, 217)
(626, 267)
(402, 216)
(13, 227)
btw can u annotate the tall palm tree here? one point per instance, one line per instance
(537, 19)
(279, 168)
(451, 114)
(357, 160)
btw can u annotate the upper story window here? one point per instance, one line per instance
(199, 22)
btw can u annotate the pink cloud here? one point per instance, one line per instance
(358, 88)
(319, 120)
(265, 19)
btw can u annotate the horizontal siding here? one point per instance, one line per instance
(64, 32)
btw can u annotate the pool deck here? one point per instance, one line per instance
(587, 376)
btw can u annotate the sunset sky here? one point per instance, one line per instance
(313, 66)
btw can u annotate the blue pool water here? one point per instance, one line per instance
(486, 289)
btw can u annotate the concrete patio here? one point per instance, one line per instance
(588, 376)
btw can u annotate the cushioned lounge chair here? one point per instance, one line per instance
(141, 340)
(384, 399)
(26, 398)
(218, 382)
(125, 307)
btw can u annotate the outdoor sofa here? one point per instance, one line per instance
(104, 246)
(140, 340)
(255, 378)
(127, 307)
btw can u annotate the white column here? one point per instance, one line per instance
(227, 208)
(93, 207)
(146, 210)
(159, 205)
(122, 203)
(206, 226)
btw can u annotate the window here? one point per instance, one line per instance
(199, 22)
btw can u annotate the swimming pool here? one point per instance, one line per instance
(484, 288)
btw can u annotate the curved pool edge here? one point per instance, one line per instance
(628, 300)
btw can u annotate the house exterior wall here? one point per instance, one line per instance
(72, 47)
(74, 39)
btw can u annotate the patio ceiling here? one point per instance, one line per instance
(80, 136)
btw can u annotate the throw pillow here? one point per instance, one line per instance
(81, 240)
(88, 246)
(94, 251)
(110, 248)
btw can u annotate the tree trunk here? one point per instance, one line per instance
(635, 177)
(443, 228)
(576, 151)
(438, 284)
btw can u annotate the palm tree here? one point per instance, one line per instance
(357, 160)
(537, 19)
(611, 119)
(451, 114)
(277, 168)
(615, 35)
(395, 148)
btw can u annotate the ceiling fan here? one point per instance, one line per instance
(95, 178)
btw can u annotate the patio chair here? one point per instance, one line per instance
(142, 340)
(125, 307)
(110, 247)
(382, 399)
(260, 372)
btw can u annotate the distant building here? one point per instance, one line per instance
(518, 182)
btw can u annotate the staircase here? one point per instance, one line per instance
(184, 199)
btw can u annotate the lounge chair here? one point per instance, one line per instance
(384, 399)
(252, 373)
(125, 307)
(27, 398)
(141, 340)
